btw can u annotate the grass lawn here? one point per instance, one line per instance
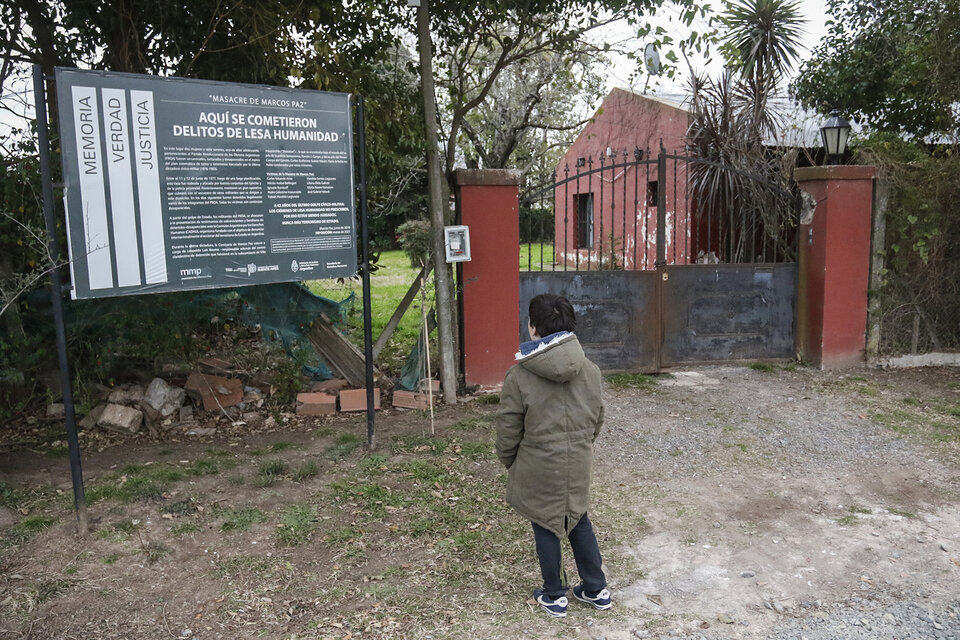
(531, 259)
(309, 537)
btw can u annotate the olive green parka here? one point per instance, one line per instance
(550, 414)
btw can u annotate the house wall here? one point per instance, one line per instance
(624, 212)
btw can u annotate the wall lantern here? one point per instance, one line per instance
(834, 134)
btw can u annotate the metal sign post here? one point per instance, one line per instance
(56, 293)
(365, 249)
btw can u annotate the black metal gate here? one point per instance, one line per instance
(668, 260)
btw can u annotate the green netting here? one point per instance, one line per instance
(282, 311)
(155, 326)
(415, 367)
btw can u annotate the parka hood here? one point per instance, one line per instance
(557, 359)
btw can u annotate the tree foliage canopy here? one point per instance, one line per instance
(764, 36)
(894, 65)
(485, 52)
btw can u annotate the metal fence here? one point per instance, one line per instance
(920, 313)
(640, 211)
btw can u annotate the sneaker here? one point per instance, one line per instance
(555, 607)
(599, 600)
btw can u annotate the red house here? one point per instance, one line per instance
(605, 199)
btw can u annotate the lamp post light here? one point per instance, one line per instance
(834, 133)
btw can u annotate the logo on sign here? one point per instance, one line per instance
(294, 266)
(194, 273)
(251, 269)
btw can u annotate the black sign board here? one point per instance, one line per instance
(174, 184)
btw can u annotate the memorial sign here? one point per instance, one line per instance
(175, 184)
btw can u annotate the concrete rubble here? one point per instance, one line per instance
(117, 417)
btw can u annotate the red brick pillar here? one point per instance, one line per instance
(834, 264)
(490, 282)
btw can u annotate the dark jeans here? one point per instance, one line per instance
(585, 552)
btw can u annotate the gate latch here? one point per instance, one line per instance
(665, 276)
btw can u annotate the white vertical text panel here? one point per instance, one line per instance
(146, 159)
(92, 189)
(122, 207)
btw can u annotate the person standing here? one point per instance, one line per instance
(550, 414)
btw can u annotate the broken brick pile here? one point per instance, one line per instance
(168, 405)
(330, 396)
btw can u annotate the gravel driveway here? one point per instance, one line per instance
(786, 502)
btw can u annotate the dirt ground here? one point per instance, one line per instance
(730, 502)
(784, 496)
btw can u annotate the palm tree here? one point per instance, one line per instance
(739, 182)
(766, 36)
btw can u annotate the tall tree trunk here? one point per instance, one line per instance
(43, 25)
(442, 279)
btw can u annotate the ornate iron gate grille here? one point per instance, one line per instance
(640, 212)
(725, 238)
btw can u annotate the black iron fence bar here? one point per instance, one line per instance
(739, 172)
(742, 241)
(730, 236)
(577, 223)
(661, 208)
(709, 226)
(686, 198)
(547, 186)
(599, 210)
(529, 247)
(623, 236)
(646, 216)
(676, 212)
(590, 221)
(540, 235)
(566, 174)
(636, 206)
(553, 223)
(613, 213)
(739, 243)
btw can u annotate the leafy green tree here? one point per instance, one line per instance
(395, 148)
(533, 107)
(762, 40)
(350, 47)
(478, 44)
(894, 65)
(919, 289)
(764, 36)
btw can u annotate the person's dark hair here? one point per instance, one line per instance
(550, 313)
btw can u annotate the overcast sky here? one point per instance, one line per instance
(814, 11)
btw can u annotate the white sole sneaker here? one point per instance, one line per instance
(601, 601)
